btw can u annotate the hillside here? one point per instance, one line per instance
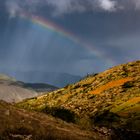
(10, 92)
(18, 124)
(110, 99)
(15, 91)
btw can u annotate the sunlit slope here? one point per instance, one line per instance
(111, 98)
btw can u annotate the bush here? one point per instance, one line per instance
(128, 84)
(61, 113)
(77, 86)
(105, 118)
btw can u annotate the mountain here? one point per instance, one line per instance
(7, 78)
(38, 87)
(108, 102)
(10, 90)
(15, 91)
(52, 78)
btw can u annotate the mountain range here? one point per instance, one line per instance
(52, 78)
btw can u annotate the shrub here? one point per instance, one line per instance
(128, 84)
(105, 118)
(61, 113)
(77, 86)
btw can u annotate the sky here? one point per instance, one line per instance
(83, 36)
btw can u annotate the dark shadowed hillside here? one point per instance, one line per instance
(110, 100)
(38, 87)
(17, 124)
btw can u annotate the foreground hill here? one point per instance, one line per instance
(17, 124)
(15, 91)
(110, 99)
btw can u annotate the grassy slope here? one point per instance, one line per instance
(111, 99)
(18, 124)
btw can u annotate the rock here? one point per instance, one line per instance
(7, 112)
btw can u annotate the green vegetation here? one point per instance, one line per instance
(61, 113)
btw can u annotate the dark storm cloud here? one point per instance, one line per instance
(69, 6)
(102, 25)
(108, 32)
(122, 20)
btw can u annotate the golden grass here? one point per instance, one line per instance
(129, 111)
(65, 97)
(128, 107)
(134, 100)
(111, 84)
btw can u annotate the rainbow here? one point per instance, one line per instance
(51, 26)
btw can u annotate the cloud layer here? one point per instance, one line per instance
(69, 6)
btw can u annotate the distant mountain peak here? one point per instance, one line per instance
(53, 78)
(6, 77)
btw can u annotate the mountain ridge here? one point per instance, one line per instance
(52, 78)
